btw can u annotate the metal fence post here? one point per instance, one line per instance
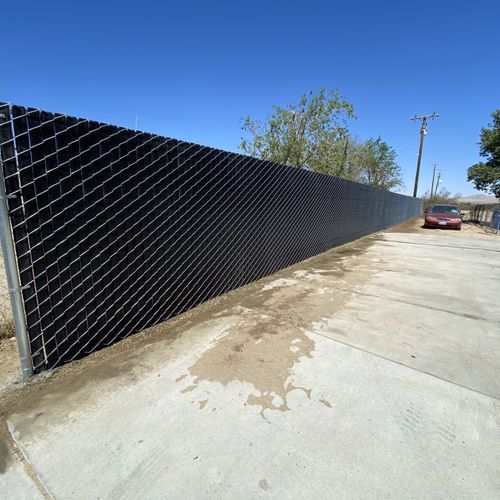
(14, 285)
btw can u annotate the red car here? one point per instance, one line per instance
(443, 216)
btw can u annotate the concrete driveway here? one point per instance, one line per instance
(371, 371)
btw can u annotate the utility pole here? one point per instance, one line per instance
(438, 180)
(423, 132)
(433, 175)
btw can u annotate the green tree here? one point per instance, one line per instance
(311, 133)
(377, 165)
(442, 196)
(486, 175)
(341, 158)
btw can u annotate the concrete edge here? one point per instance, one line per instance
(21, 456)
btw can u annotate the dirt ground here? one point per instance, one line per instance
(468, 229)
(6, 324)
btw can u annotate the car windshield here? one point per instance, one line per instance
(444, 209)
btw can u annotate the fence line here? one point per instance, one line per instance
(483, 214)
(113, 230)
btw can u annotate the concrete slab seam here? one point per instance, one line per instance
(405, 366)
(393, 299)
(22, 457)
(476, 249)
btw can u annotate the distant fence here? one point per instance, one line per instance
(486, 215)
(114, 230)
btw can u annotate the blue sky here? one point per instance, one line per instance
(191, 70)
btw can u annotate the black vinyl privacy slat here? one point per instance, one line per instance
(116, 230)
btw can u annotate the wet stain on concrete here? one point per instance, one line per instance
(269, 338)
(259, 355)
(202, 403)
(275, 400)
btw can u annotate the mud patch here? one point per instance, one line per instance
(274, 401)
(269, 338)
(256, 351)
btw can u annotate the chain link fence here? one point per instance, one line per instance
(484, 214)
(115, 230)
